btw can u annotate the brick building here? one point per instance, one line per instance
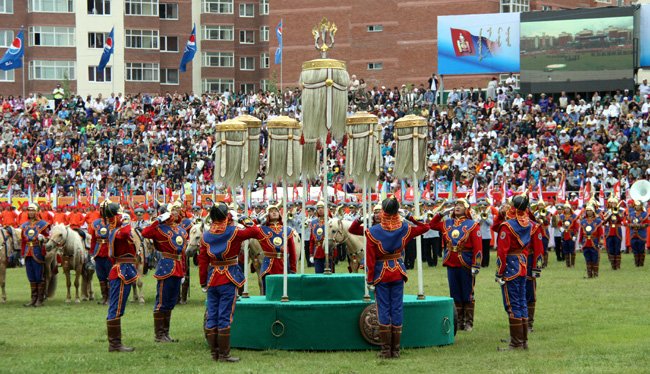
(64, 40)
(388, 42)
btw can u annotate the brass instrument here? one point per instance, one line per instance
(290, 216)
(484, 215)
(430, 215)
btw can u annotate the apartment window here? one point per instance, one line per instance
(218, 6)
(264, 7)
(264, 34)
(375, 28)
(142, 39)
(51, 70)
(142, 72)
(246, 10)
(546, 8)
(51, 36)
(51, 6)
(219, 59)
(246, 37)
(375, 65)
(99, 7)
(264, 61)
(7, 6)
(247, 87)
(264, 84)
(168, 11)
(514, 6)
(225, 33)
(169, 44)
(105, 75)
(97, 39)
(168, 76)
(141, 7)
(247, 63)
(6, 38)
(7, 76)
(218, 85)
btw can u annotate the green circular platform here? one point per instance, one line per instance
(323, 314)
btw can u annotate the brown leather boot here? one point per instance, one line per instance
(589, 273)
(385, 337)
(166, 323)
(223, 339)
(34, 289)
(567, 258)
(159, 327)
(531, 317)
(618, 262)
(573, 259)
(184, 288)
(396, 336)
(641, 259)
(40, 294)
(544, 260)
(469, 316)
(524, 332)
(460, 312)
(516, 335)
(211, 336)
(103, 287)
(594, 269)
(114, 330)
(612, 261)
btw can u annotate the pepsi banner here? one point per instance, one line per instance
(478, 43)
(13, 56)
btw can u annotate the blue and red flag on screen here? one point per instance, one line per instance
(13, 57)
(190, 50)
(108, 51)
(467, 44)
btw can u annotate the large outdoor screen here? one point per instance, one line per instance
(577, 50)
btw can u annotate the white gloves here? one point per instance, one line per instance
(311, 259)
(164, 217)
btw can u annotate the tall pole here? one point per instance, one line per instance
(285, 254)
(302, 225)
(246, 267)
(281, 65)
(328, 269)
(366, 225)
(418, 242)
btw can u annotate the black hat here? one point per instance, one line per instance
(520, 202)
(139, 211)
(390, 206)
(110, 210)
(219, 212)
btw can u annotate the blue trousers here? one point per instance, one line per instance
(221, 306)
(390, 301)
(591, 255)
(34, 270)
(118, 296)
(167, 294)
(568, 247)
(514, 298)
(461, 284)
(102, 268)
(638, 246)
(545, 244)
(613, 245)
(319, 265)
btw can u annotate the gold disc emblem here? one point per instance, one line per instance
(614, 218)
(588, 229)
(635, 221)
(179, 240)
(319, 231)
(455, 234)
(567, 224)
(277, 241)
(31, 232)
(103, 231)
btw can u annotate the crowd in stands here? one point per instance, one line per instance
(131, 143)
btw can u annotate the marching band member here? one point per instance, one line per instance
(614, 219)
(568, 222)
(591, 234)
(387, 273)
(462, 256)
(639, 222)
(33, 235)
(170, 239)
(123, 274)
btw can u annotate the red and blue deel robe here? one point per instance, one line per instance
(273, 247)
(512, 245)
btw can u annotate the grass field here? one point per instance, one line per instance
(586, 61)
(582, 326)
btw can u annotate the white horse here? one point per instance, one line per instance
(339, 234)
(9, 245)
(72, 248)
(143, 248)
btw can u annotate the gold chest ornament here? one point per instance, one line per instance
(455, 234)
(179, 240)
(277, 241)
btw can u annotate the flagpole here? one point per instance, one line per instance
(281, 65)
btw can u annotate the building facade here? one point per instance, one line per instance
(64, 40)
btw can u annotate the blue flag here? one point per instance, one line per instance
(13, 57)
(108, 51)
(190, 50)
(278, 51)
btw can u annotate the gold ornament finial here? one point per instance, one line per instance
(323, 34)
